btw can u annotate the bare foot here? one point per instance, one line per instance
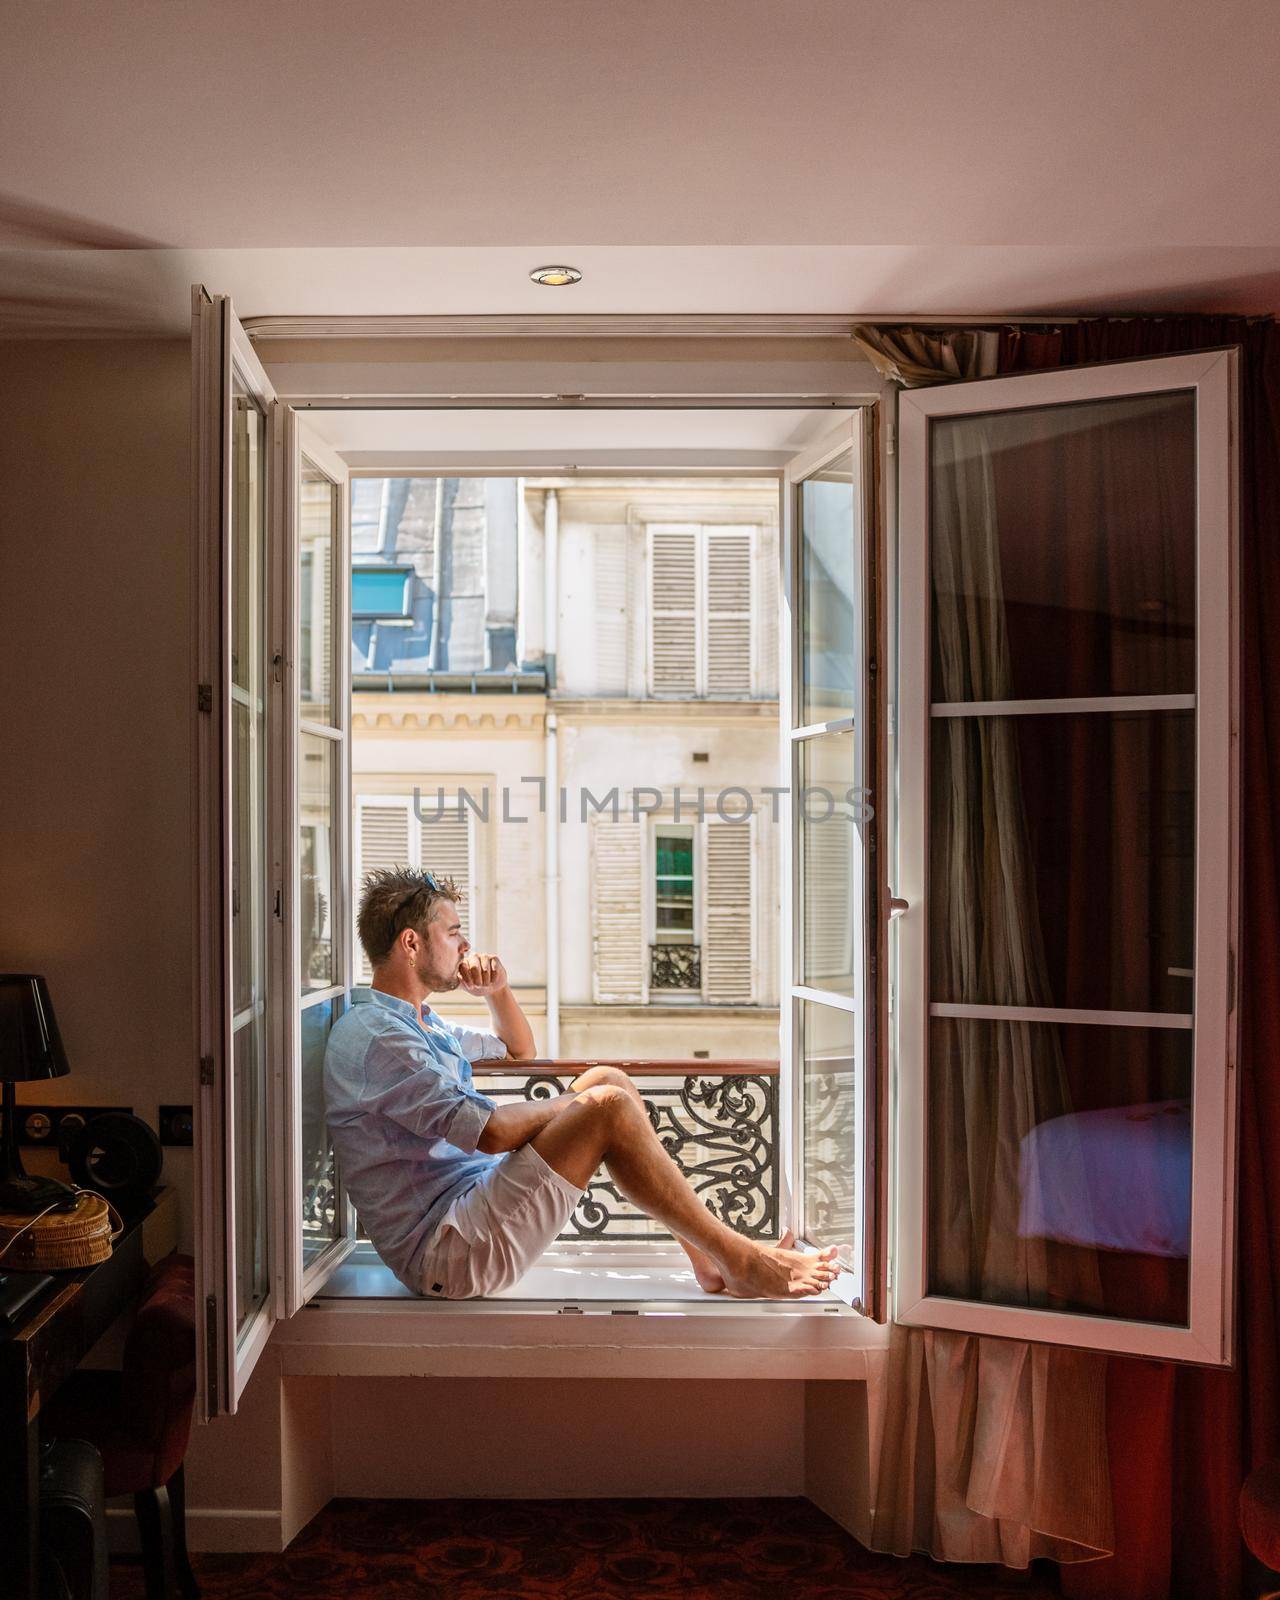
(780, 1272)
(709, 1276)
(706, 1269)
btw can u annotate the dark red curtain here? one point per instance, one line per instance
(1182, 1440)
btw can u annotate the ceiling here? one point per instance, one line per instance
(876, 157)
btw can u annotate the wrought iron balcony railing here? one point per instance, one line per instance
(718, 1122)
(675, 966)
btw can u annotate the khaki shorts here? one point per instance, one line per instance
(493, 1234)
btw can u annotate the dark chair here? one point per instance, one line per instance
(140, 1421)
(1260, 1518)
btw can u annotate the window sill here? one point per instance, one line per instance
(577, 1314)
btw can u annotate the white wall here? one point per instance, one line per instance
(95, 674)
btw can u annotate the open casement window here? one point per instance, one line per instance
(830, 903)
(273, 855)
(438, 834)
(1067, 850)
(237, 451)
(316, 825)
(671, 910)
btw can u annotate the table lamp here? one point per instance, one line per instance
(30, 1049)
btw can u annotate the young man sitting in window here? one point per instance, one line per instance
(460, 1196)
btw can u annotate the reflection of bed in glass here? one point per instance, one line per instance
(1112, 1188)
(1116, 1179)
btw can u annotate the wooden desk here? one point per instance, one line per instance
(33, 1363)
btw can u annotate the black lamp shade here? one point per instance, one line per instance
(30, 1045)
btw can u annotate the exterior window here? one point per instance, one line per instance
(675, 957)
(682, 927)
(379, 592)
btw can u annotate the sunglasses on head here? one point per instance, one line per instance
(428, 880)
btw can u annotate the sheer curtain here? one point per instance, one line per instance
(993, 1450)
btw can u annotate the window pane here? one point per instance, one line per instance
(1066, 535)
(317, 766)
(320, 1222)
(828, 602)
(248, 431)
(378, 594)
(1061, 860)
(315, 599)
(1060, 1166)
(248, 869)
(244, 859)
(674, 855)
(829, 1102)
(249, 1101)
(830, 864)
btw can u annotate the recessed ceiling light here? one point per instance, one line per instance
(555, 277)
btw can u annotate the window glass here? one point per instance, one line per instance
(321, 1223)
(378, 594)
(249, 1096)
(829, 1085)
(318, 510)
(1089, 1130)
(317, 768)
(830, 863)
(673, 886)
(1100, 877)
(1085, 572)
(827, 602)
(248, 868)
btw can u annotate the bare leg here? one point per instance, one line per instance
(705, 1269)
(609, 1125)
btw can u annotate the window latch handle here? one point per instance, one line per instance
(897, 906)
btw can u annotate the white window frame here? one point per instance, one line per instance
(297, 1280)
(841, 1335)
(1208, 1338)
(858, 1284)
(221, 352)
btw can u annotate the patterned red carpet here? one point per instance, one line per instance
(583, 1550)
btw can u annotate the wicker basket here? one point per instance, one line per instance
(61, 1240)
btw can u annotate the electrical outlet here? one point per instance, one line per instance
(56, 1125)
(175, 1125)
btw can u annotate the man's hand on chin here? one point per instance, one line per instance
(482, 975)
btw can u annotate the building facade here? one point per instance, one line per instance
(565, 696)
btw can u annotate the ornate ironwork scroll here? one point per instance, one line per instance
(721, 1131)
(830, 1127)
(675, 966)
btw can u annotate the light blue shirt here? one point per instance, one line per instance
(405, 1120)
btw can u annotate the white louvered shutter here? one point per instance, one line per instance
(613, 648)
(728, 610)
(617, 902)
(726, 949)
(445, 849)
(764, 621)
(827, 869)
(382, 828)
(673, 609)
